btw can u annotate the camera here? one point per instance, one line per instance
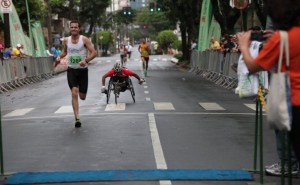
(257, 36)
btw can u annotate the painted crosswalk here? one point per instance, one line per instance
(157, 106)
(19, 112)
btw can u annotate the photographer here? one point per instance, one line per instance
(285, 16)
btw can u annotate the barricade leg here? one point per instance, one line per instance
(259, 138)
(1, 146)
(286, 145)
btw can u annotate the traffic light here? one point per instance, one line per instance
(127, 11)
(151, 7)
(158, 7)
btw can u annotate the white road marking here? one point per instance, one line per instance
(96, 115)
(163, 106)
(148, 99)
(64, 109)
(18, 112)
(145, 86)
(251, 106)
(211, 106)
(157, 148)
(115, 107)
(146, 92)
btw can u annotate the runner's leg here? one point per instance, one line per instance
(75, 104)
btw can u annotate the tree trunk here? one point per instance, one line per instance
(184, 44)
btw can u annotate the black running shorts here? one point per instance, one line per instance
(78, 78)
(146, 58)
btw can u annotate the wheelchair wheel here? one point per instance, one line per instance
(110, 85)
(116, 89)
(116, 97)
(131, 90)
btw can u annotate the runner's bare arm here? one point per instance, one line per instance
(90, 47)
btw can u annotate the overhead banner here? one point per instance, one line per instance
(38, 36)
(205, 20)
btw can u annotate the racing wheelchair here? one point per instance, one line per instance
(117, 85)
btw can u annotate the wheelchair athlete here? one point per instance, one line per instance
(121, 74)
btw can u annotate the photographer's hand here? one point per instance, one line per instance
(268, 33)
(244, 40)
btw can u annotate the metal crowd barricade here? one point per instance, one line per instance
(23, 71)
(212, 66)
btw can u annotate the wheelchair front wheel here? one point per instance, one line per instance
(131, 90)
(109, 90)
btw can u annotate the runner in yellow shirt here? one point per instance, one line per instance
(144, 50)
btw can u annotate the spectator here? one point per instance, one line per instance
(16, 52)
(235, 43)
(1, 51)
(193, 45)
(23, 54)
(155, 47)
(7, 54)
(275, 169)
(215, 45)
(285, 15)
(129, 48)
(57, 52)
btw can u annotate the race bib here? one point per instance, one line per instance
(144, 53)
(75, 59)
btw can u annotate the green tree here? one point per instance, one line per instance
(105, 42)
(186, 13)
(166, 38)
(92, 12)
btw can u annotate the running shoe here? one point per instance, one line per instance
(78, 123)
(275, 169)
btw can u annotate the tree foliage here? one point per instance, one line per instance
(166, 38)
(92, 12)
(106, 40)
(187, 14)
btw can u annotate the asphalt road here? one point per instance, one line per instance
(179, 121)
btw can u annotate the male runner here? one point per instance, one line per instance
(75, 48)
(144, 50)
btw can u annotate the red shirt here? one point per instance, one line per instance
(125, 72)
(268, 58)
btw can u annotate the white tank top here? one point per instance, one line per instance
(76, 53)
